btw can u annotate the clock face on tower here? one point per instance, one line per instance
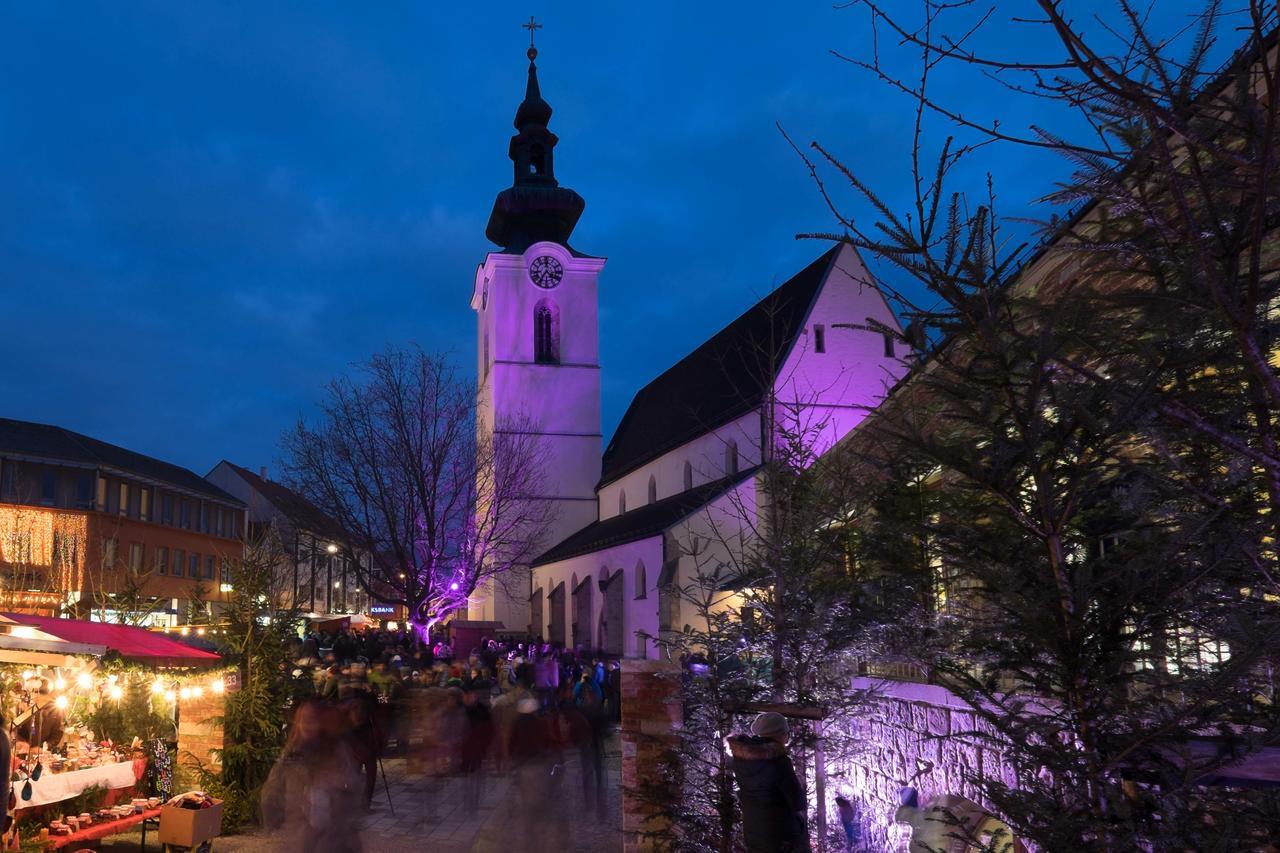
(546, 271)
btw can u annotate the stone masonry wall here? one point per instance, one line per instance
(910, 730)
(650, 718)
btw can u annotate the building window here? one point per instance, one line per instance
(688, 475)
(193, 566)
(208, 568)
(653, 489)
(49, 486)
(622, 501)
(888, 345)
(226, 570)
(204, 517)
(179, 557)
(109, 555)
(641, 583)
(731, 458)
(184, 514)
(8, 480)
(122, 500)
(166, 508)
(162, 561)
(84, 489)
(144, 504)
(135, 557)
(546, 333)
(819, 338)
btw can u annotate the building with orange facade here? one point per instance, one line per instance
(97, 531)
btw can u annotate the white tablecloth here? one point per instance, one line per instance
(55, 787)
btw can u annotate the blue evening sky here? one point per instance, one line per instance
(209, 209)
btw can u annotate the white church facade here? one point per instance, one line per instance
(679, 480)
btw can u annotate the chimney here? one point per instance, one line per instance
(262, 472)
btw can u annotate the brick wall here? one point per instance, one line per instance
(198, 734)
(650, 717)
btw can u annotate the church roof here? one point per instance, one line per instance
(642, 522)
(722, 379)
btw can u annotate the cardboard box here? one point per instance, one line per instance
(190, 827)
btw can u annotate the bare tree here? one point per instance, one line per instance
(397, 460)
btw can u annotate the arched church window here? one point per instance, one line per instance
(641, 585)
(546, 333)
(688, 475)
(653, 489)
(731, 457)
(622, 501)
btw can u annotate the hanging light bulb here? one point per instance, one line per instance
(60, 703)
(84, 681)
(157, 687)
(197, 692)
(217, 686)
(112, 679)
(60, 683)
(185, 693)
(116, 692)
(170, 696)
(27, 675)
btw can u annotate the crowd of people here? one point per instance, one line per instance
(529, 710)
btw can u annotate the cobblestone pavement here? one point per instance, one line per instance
(454, 829)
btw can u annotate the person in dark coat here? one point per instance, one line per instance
(774, 810)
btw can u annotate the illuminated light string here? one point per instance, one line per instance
(69, 685)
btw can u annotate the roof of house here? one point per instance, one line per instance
(642, 522)
(724, 378)
(56, 444)
(302, 512)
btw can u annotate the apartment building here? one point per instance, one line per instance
(95, 530)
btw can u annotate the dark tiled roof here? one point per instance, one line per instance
(55, 444)
(722, 379)
(302, 512)
(642, 522)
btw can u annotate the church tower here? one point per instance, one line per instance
(537, 343)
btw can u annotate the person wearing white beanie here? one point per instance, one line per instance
(772, 800)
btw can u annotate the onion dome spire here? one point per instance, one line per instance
(535, 207)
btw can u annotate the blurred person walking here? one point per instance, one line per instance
(312, 795)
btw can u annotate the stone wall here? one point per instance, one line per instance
(910, 730)
(650, 718)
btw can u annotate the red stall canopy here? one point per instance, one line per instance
(131, 643)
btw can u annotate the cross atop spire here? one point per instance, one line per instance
(532, 26)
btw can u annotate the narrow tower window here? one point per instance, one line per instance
(731, 458)
(546, 333)
(622, 501)
(819, 338)
(688, 475)
(888, 345)
(653, 489)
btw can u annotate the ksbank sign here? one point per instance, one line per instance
(382, 610)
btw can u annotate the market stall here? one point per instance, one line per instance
(95, 710)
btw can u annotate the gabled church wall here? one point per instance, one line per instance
(716, 538)
(706, 453)
(830, 392)
(638, 614)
